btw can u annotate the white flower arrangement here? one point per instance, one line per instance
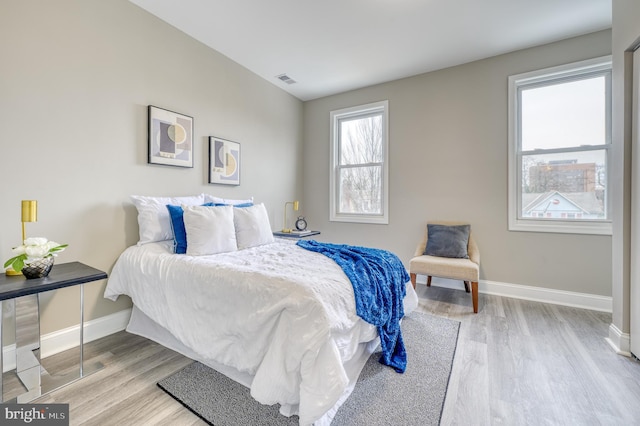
(35, 248)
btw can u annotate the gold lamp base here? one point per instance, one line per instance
(296, 206)
(29, 214)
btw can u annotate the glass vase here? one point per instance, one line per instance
(38, 268)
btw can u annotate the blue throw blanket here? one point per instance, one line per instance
(378, 278)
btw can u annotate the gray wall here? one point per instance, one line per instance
(448, 160)
(626, 31)
(76, 79)
(75, 82)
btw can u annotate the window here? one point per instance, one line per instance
(559, 148)
(359, 170)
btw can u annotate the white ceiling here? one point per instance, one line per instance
(331, 46)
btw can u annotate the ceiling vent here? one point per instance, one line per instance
(285, 78)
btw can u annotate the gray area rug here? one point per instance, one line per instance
(381, 396)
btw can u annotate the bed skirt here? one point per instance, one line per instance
(144, 326)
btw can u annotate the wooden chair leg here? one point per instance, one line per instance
(474, 296)
(413, 280)
(428, 280)
(466, 286)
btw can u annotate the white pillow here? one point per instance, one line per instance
(153, 217)
(211, 199)
(210, 230)
(217, 200)
(236, 202)
(252, 226)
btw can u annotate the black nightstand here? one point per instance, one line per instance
(296, 235)
(23, 296)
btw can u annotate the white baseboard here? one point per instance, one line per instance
(67, 338)
(536, 294)
(619, 341)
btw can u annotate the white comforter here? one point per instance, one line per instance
(278, 312)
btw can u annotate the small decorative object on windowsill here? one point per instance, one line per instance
(34, 258)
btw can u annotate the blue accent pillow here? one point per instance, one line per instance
(176, 213)
(447, 241)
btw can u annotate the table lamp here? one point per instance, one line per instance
(296, 206)
(29, 214)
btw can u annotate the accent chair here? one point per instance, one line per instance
(464, 269)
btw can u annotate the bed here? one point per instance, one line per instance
(275, 317)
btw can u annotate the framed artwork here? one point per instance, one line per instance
(170, 138)
(224, 161)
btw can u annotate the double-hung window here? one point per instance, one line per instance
(359, 164)
(559, 148)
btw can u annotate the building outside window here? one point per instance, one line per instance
(559, 148)
(359, 164)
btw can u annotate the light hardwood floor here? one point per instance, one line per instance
(517, 363)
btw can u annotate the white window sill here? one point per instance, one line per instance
(563, 227)
(380, 220)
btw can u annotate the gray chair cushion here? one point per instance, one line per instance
(448, 241)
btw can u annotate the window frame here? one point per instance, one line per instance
(336, 116)
(548, 76)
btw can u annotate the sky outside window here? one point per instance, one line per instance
(564, 115)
